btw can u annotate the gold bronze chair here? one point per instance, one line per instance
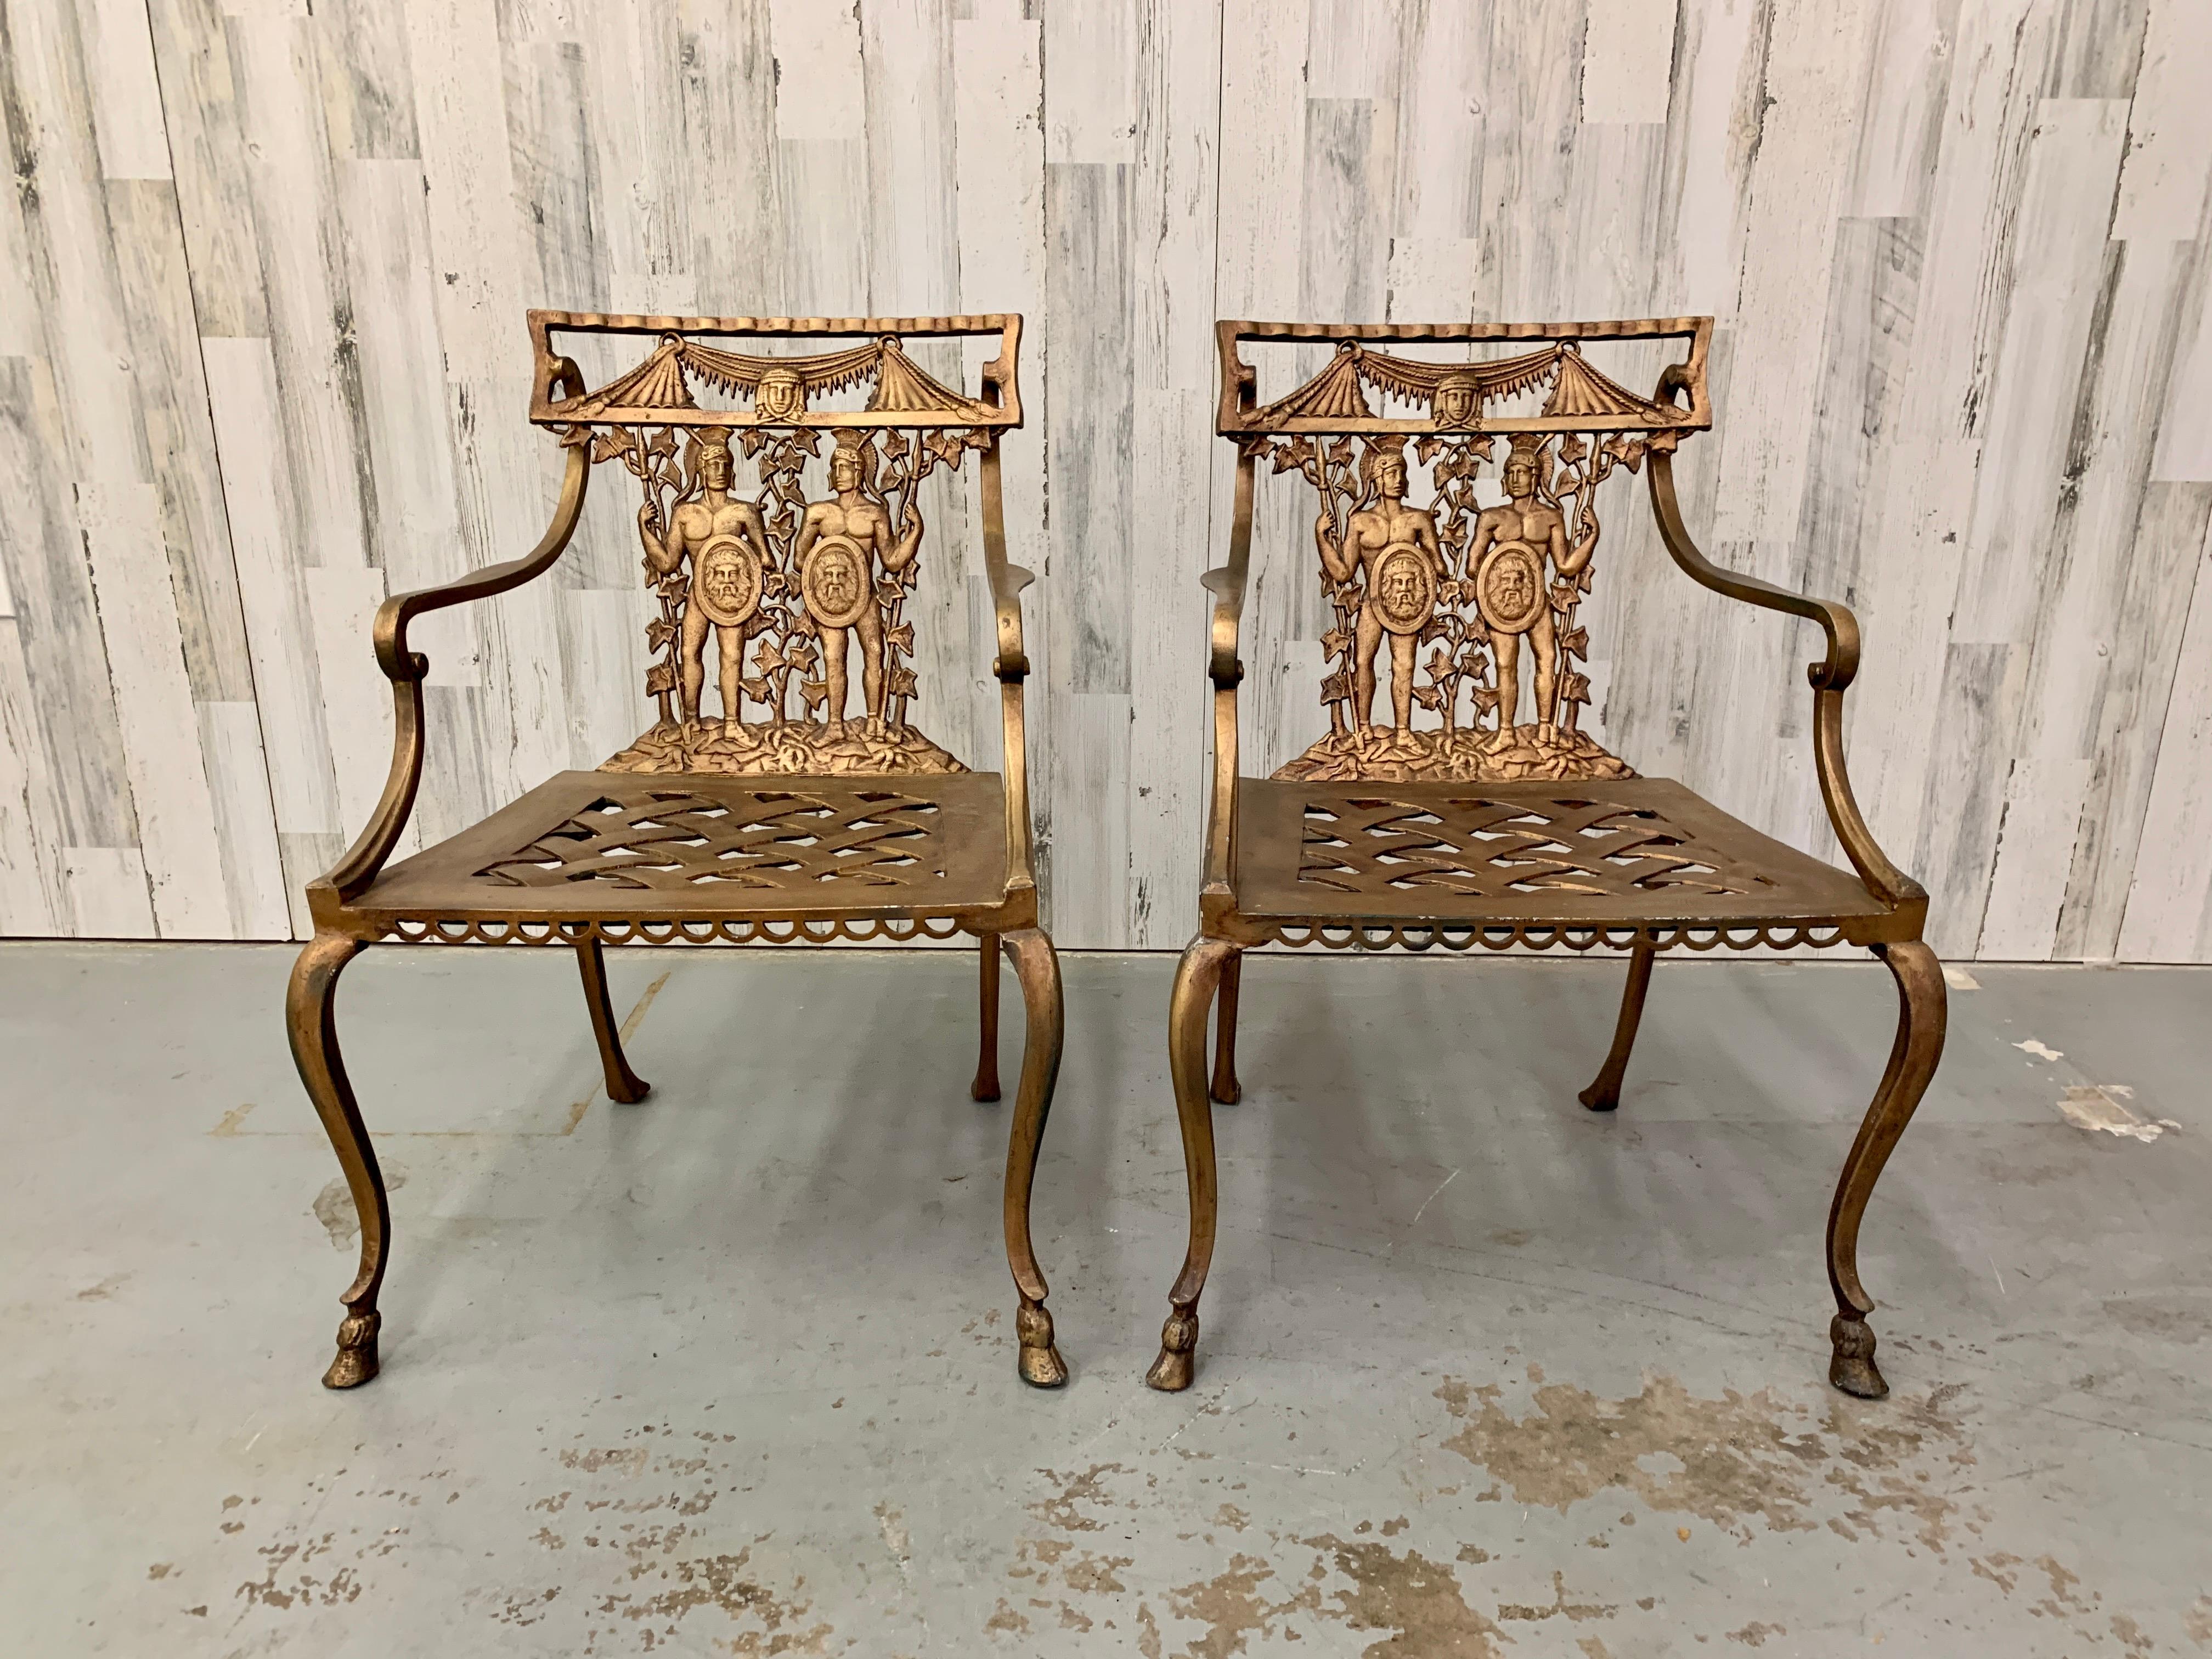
(804, 825)
(1501, 832)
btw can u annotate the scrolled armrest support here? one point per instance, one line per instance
(1841, 664)
(1829, 678)
(1012, 666)
(350, 877)
(1226, 671)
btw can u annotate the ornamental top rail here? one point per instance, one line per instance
(772, 390)
(1460, 396)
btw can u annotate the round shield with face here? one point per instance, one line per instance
(1509, 587)
(1405, 589)
(835, 582)
(725, 584)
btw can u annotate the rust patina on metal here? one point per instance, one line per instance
(1483, 829)
(809, 824)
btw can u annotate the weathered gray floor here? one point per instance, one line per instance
(732, 1371)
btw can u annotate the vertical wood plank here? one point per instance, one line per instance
(2169, 913)
(1627, 62)
(2131, 718)
(1092, 521)
(244, 820)
(126, 98)
(1178, 119)
(166, 772)
(821, 129)
(107, 893)
(1930, 457)
(34, 893)
(242, 395)
(998, 84)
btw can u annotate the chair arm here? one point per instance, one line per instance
(350, 877)
(1227, 584)
(1836, 621)
(395, 613)
(1012, 666)
(1829, 678)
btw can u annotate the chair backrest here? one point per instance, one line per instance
(1465, 608)
(792, 571)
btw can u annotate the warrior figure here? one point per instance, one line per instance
(840, 540)
(1392, 549)
(715, 600)
(1539, 528)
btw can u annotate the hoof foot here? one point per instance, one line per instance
(356, 1357)
(1853, 1369)
(983, 1088)
(1228, 1094)
(1040, 1365)
(1172, 1372)
(631, 1094)
(1600, 1100)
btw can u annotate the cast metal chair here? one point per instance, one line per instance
(804, 825)
(1502, 832)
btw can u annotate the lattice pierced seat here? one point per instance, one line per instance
(1513, 832)
(809, 823)
(690, 859)
(1626, 861)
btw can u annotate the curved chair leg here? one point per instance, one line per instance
(985, 1085)
(1037, 965)
(309, 1022)
(1912, 1057)
(1226, 1087)
(1197, 977)
(1604, 1094)
(622, 1083)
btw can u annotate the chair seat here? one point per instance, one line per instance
(1643, 854)
(626, 854)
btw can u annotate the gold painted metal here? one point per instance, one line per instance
(985, 1085)
(1603, 1094)
(1502, 833)
(622, 1083)
(791, 586)
(814, 824)
(1225, 1087)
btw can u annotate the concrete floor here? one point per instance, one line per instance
(733, 1372)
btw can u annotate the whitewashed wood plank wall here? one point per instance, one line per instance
(262, 273)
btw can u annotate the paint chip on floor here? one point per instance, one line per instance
(2105, 1106)
(2036, 1048)
(1960, 980)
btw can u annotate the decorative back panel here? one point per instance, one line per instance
(785, 576)
(1454, 606)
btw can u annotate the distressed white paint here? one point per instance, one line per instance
(126, 96)
(2169, 164)
(818, 91)
(1628, 60)
(107, 893)
(244, 819)
(164, 767)
(1963, 371)
(31, 899)
(2033, 857)
(241, 391)
(356, 698)
(2169, 915)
